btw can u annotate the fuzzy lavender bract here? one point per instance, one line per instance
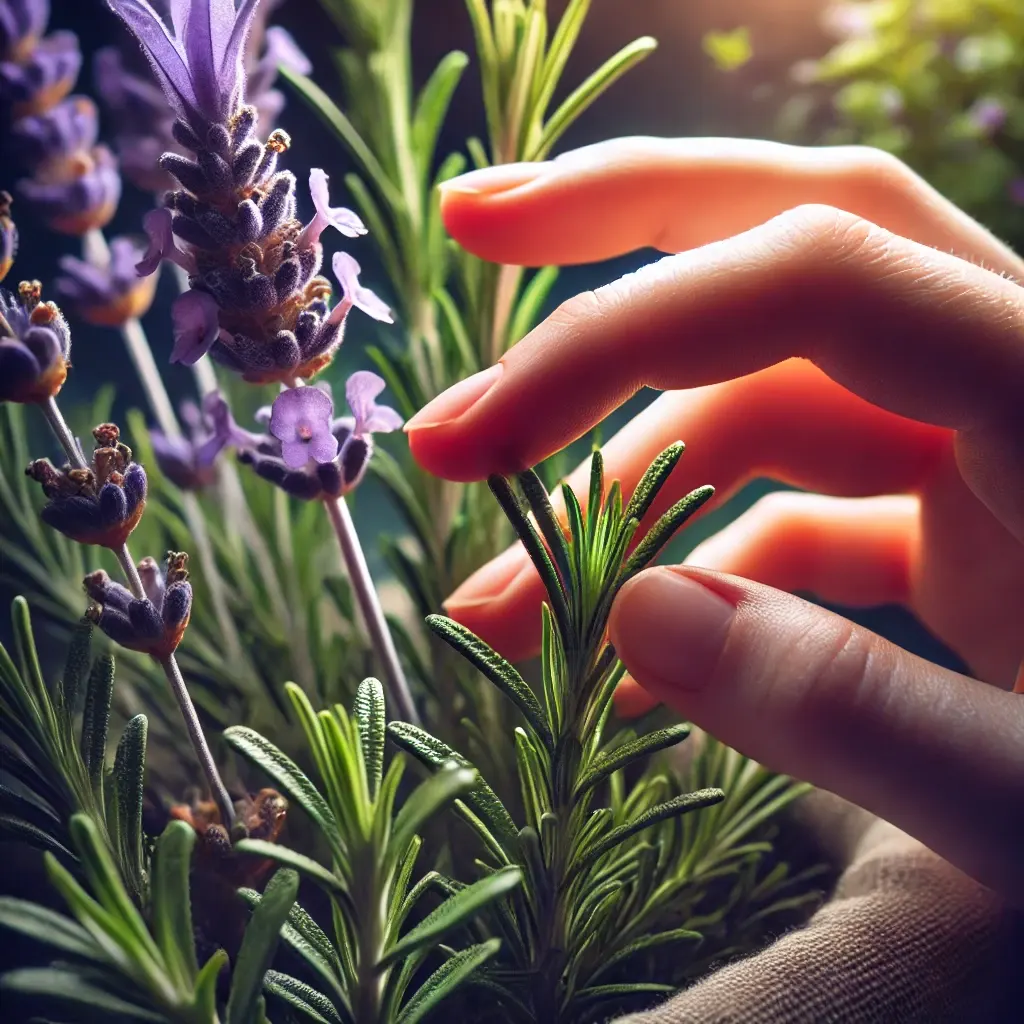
(100, 504)
(154, 624)
(34, 346)
(111, 295)
(258, 304)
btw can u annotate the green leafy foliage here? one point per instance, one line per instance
(615, 864)
(367, 972)
(53, 769)
(113, 964)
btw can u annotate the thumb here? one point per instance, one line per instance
(812, 695)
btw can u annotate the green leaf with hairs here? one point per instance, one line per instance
(426, 800)
(452, 973)
(652, 481)
(287, 858)
(262, 935)
(370, 713)
(129, 778)
(68, 987)
(171, 902)
(48, 928)
(663, 530)
(76, 666)
(96, 718)
(611, 761)
(302, 998)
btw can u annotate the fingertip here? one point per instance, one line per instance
(632, 700)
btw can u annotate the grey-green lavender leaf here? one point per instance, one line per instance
(287, 858)
(259, 943)
(129, 779)
(536, 495)
(426, 800)
(48, 928)
(652, 481)
(96, 718)
(76, 667)
(663, 530)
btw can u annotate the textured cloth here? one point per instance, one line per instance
(905, 937)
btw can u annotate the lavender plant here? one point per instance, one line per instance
(601, 880)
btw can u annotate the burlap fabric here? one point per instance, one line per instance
(904, 937)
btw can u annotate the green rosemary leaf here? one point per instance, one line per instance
(456, 328)
(28, 656)
(540, 504)
(432, 106)
(601, 993)
(585, 94)
(370, 713)
(524, 529)
(49, 928)
(76, 667)
(562, 44)
(620, 756)
(551, 661)
(28, 808)
(453, 913)
(487, 54)
(205, 993)
(676, 936)
(670, 809)
(301, 997)
(662, 531)
(595, 496)
(499, 671)
(262, 935)
(288, 777)
(24, 831)
(452, 973)
(67, 986)
(481, 798)
(287, 858)
(129, 779)
(96, 718)
(171, 906)
(425, 801)
(377, 224)
(652, 481)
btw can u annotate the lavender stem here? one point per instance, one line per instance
(195, 731)
(369, 605)
(198, 739)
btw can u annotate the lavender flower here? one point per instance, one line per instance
(256, 304)
(111, 295)
(154, 624)
(188, 462)
(35, 72)
(98, 505)
(74, 183)
(1015, 190)
(34, 346)
(8, 235)
(144, 124)
(301, 421)
(304, 475)
(987, 115)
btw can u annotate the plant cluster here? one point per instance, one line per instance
(558, 868)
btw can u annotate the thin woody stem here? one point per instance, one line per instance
(195, 734)
(369, 605)
(188, 711)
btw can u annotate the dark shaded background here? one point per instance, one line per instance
(676, 92)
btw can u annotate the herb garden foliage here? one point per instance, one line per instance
(591, 905)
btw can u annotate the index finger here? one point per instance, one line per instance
(674, 194)
(911, 329)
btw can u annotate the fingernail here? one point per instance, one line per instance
(489, 181)
(458, 399)
(669, 629)
(490, 581)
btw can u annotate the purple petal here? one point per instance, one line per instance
(164, 53)
(383, 420)
(295, 406)
(207, 29)
(295, 453)
(360, 391)
(346, 270)
(326, 215)
(195, 326)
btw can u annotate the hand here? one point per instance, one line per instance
(869, 347)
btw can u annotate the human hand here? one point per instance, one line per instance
(869, 347)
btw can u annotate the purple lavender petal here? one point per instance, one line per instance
(301, 421)
(195, 326)
(384, 420)
(164, 53)
(360, 391)
(158, 225)
(346, 270)
(347, 222)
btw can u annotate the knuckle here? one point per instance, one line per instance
(874, 168)
(586, 306)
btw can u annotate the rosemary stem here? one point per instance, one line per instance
(195, 734)
(369, 605)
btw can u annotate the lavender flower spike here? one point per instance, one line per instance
(199, 64)
(8, 235)
(111, 295)
(34, 346)
(254, 268)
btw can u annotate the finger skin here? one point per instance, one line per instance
(810, 694)
(748, 428)
(912, 330)
(676, 194)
